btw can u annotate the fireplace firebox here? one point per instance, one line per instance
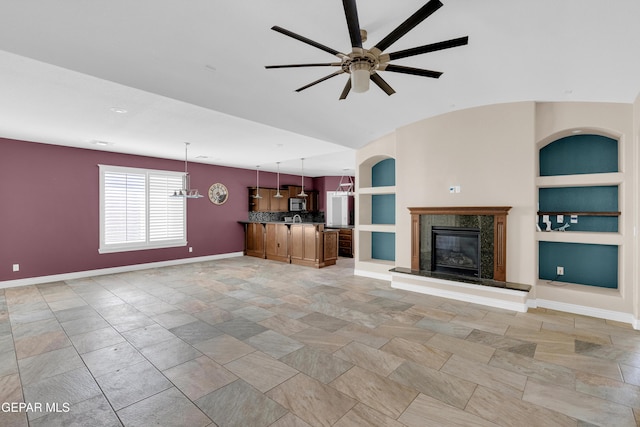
(456, 250)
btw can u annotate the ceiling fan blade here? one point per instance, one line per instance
(461, 41)
(351, 13)
(375, 77)
(320, 64)
(423, 13)
(320, 80)
(307, 41)
(411, 70)
(346, 90)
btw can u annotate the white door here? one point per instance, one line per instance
(337, 208)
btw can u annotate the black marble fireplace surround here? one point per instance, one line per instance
(484, 226)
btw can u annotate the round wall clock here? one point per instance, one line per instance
(218, 193)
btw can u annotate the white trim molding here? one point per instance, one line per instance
(112, 270)
(507, 299)
(599, 313)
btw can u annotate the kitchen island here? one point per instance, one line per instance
(302, 243)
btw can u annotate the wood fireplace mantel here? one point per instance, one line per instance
(499, 214)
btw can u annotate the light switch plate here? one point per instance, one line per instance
(574, 219)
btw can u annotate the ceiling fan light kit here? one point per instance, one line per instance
(364, 64)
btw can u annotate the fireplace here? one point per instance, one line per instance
(491, 240)
(456, 250)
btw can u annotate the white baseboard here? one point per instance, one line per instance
(372, 275)
(587, 311)
(112, 270)
(461, 296)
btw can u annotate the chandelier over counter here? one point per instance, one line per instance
(186, 190)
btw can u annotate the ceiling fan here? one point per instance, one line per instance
(364, 64)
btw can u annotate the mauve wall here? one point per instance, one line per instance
(49, 209)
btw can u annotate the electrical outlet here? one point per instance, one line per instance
(560, 271)
(16, 267)
(190, 249)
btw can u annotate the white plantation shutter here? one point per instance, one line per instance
(166, 214)
(136, 211)
(124, 208)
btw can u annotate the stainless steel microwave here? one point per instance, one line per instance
(297, 205)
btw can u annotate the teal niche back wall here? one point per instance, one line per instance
(383, 173)
(383, 210)
(383, 246)
(581, 199)
(579, 154)
(586, 264)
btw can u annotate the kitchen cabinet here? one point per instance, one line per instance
(308, 244)
(254, 239)
(312, 245)
(312, 201)
(277, 242)
(345, 242)
(279, 204)
(263, 204)
(294, 190)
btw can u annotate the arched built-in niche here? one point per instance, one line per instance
(376, 210)
(578, 193)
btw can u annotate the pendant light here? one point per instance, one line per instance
(346, 184)
(257, 195)
(278, 195)
(186, 190)
(302, 193)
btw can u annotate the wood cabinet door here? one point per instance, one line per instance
(330, 246)
(259, 205)
(294, 190)
(282, 246)
(296, 248)
(277, 242)
(279, 204)
(312, 201)
(255, 240)
(310, 252)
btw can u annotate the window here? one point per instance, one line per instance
(136, 211)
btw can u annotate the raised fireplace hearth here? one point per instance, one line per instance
(460, 241)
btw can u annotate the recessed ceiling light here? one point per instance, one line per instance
(202, 157)
(101, 143)
(568, 92)
(210, 67)
(118, 110)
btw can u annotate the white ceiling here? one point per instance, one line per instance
(194, 71)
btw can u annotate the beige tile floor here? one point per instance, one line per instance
(247, 342)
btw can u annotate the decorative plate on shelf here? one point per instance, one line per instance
(218, 193)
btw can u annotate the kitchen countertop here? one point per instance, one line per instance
(279, 222)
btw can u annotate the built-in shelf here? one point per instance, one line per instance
(581, 213)
(377, 190)
(580, 180)
(586, 237)
(380, 228)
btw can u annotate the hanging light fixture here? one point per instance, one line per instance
(186, 190)
(278, 195)
(257, 195)
(302, 193)
(346, 184)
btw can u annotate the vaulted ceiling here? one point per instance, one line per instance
(194, 71)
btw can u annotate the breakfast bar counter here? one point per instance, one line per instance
(302, 243)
